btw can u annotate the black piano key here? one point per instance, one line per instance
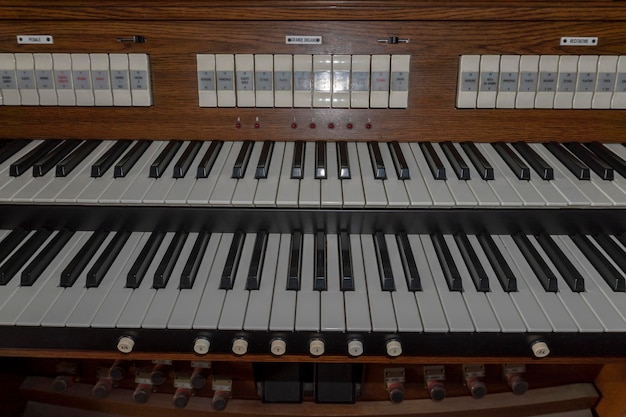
(347, 279)
(295, 262)
(10, 148)
(130, 158)
(107, 160)
(207, 161)
(542, 271)
(241, 163)
(11, 241)
(573, 164)
(22, 255)
(538, 164)
(26, 162)
(106, 259)
(256, 263)
(380, 173)
(73, 270)
(519, 168)
(47, 162)
(384, 263)
(164, 270)
(297, 164)
(138, 270)
(482, 165)
(498, 263)
(609, 273)
(399, 161)
(343, 161)
(67, 165)
(158, 167)
(184, 162)
(320, 283)
(568, 271)
(411, 272)
(434, 162)
(611, 158)
(593, 161)
(450, 271)
(35, 268)
(232, 262)
(188, 277)
(613, 250)
(459, 166)
(320, 160)
(475, 268)
(263, 166)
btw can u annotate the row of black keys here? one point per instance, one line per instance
(163, 273)
(66, 155)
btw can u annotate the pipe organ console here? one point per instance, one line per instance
(278, 207)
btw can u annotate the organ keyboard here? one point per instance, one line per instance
(309, 193)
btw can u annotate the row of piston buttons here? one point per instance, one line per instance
(312, 125)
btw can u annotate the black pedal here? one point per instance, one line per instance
(337, 383)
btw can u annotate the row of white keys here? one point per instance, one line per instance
(260, 301)
(507, 315)
(415, 186)
(404, 304)
(485, 196)
(210, 307)
(504, 183)
(308, 299)
(245, 190)
(608, 305)
(267, 189)
(397, 196)
(310, 187)
(381, 305)
(283, 312)
(357, 312)
(375, 196)
(331, 187)
(141, 182)
(457, 316)
(460, 190)
(184, 312)
(12, 185)
(179, 193)
(34, 186)
(161, 187)
(165, 299)
(477, 305)
(353, 195)
(203, 188)
(438, 190)
(288, 188)
(550, 304)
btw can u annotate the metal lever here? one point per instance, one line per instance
(133, 39)
(393, 40)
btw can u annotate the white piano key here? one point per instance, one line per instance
(267, 189)
(381, 305)
(334, 317)
(463, 196)
(484, 194)
(310, 193)
(476, 302)
(19, 301)
(109, 190)
(244, 193)
(162, 186)
(308, 300)
(404, 304)
(428, 301)
(507, 315)
(203, 188)
(288, 189)
(225, 187)
(165, 299)
(395, 189)
(284, 302)
(438, 189)
(607, 305)
(236, 300)
(141, 183)
(210, 307)
(456, 312)
(7, 188)
(357, 313)
(260, 302)
(353, 195)
(189, 299)
(34, 186)
(116, 298)
(331, 193)
(375, 196)
(415, 186)
(550, 304)
(180, 191)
